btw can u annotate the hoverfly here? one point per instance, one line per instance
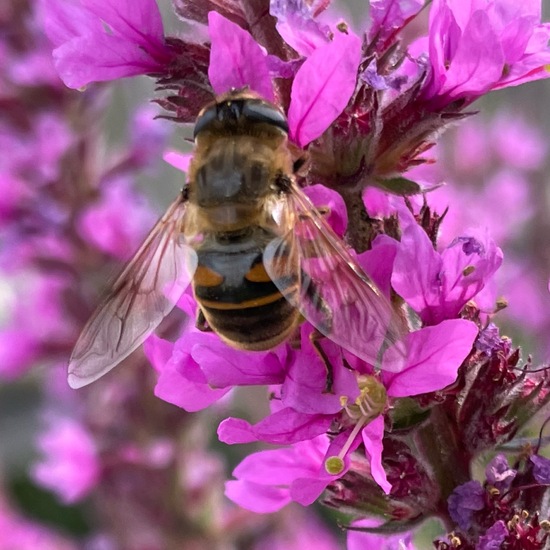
(259, 256)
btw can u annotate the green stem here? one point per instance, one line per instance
(440, 450)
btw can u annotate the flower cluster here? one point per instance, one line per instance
(387, 446)
(500, 156)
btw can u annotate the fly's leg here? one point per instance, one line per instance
(201, 323)
(315, 338)
(317, 335)
(320, 305)
(323, 210)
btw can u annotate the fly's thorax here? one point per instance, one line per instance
(236, 168)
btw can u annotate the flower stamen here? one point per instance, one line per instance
(370, 402)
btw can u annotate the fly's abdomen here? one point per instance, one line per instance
(238, 299)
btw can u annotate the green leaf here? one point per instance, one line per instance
(43, 506)
(399, 186)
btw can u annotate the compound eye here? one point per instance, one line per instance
(205, 120)
(260, 111)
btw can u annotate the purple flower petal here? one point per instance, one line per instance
(434, 356)
(236, 60)
(468, 263)
(438, 286)
(478, 60)
(268, 480)
(178, 160)
(182, 382)
(488, 339)
(464, 501)
(297, 26)
(373, 79)
(282, 427)
(417, 267)
(378, 262)
(322, 87)
(304, 386)
(283, 466)
(322, 196)
(390, 15)
(158, 351)
(541, 469)
(499, 474)
(135, 19)
(101, 57)
(256, 497)
(378, 203)
(225, 367)
(100, 40)
(372, 435)
(494, 537)
(64, 20)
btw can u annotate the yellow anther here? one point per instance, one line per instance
(334, 465)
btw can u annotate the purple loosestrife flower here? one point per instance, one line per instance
(479, 46)
(490, 515)
(494, 537)
(70, 464)
(464, 501)
(361, 405)
(499, 474)
(114, 224)
(442, 284)
(487, 158)
(541, 469)
(97, 40)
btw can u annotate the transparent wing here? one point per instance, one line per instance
(334, 294)
(143, 294)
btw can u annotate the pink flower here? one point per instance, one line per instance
(70, 463)
(99, 40)
(434, 356)
(269, 480)
(28, 335)
(117, 221)
(437, 286)
(479, 46)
